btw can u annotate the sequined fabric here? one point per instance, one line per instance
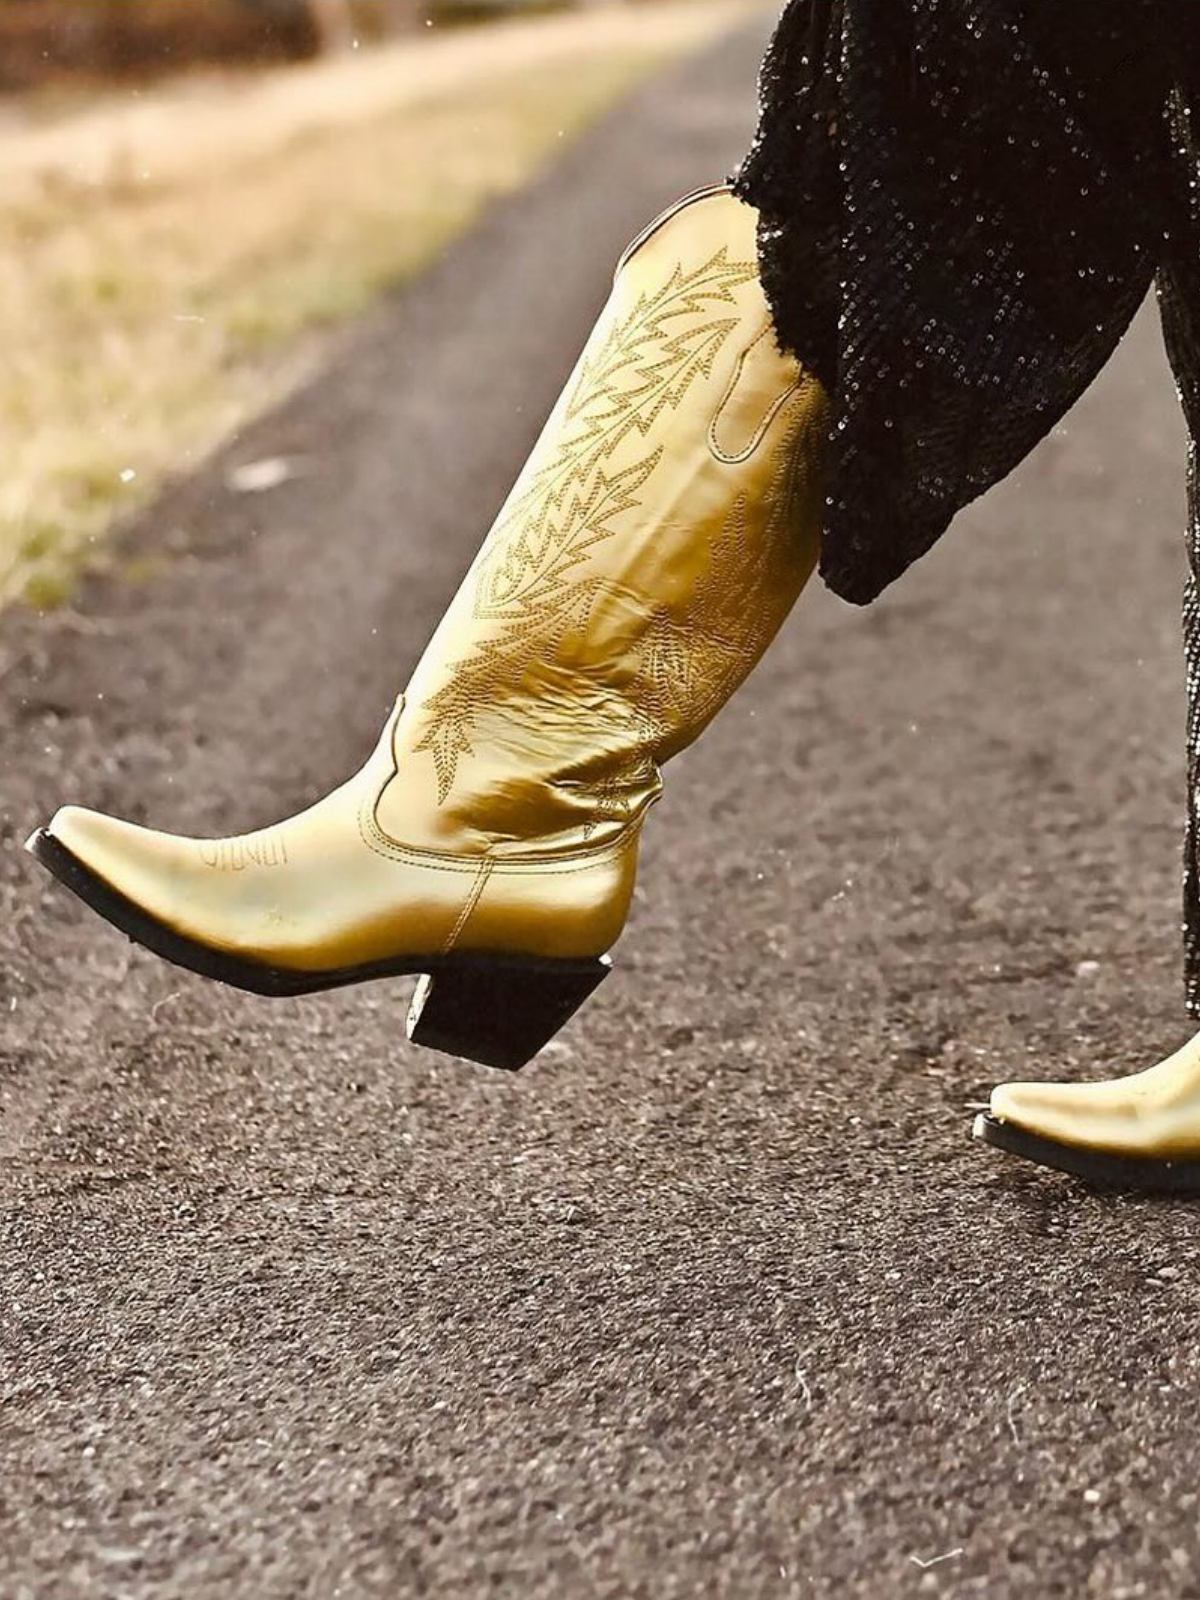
(962, 204)
(1178, 286)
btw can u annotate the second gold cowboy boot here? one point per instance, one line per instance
(654, 542)
(1140, 1131)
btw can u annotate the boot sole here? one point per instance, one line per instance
(495, 1009)
(1099, 1167)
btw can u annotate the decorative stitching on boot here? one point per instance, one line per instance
(528, 586)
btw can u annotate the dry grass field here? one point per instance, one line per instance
(169, 258)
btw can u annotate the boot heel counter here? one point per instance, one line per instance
(564, 909)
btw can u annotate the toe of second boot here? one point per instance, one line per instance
(1097, 1116)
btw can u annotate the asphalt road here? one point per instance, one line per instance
(718, 1298)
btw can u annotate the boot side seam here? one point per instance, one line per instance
(472, 900)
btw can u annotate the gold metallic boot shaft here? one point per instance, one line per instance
(657, 537)
(660, 532)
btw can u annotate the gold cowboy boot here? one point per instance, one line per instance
(1136, 1132)
(653, 544)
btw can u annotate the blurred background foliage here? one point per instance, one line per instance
(197, 192)
(45, 40)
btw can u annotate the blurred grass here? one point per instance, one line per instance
(140, 324)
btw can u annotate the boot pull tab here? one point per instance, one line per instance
(753, 399)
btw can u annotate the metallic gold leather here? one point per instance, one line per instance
(660, 532)
(1154, 1114)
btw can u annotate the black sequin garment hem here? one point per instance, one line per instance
(963, 203)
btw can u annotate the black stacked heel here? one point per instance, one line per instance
(500, 1012)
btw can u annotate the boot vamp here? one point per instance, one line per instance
(317, 893)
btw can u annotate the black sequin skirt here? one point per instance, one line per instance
(963, 204)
